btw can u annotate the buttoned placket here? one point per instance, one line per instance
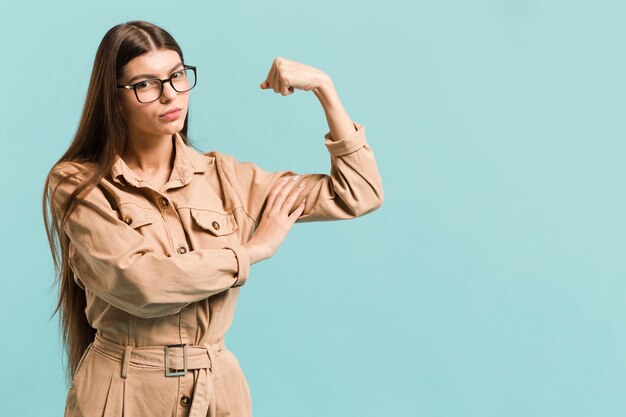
(182, 174)
(162, 201)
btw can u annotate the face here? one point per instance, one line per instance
(145, 120)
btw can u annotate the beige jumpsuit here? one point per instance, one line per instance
(164, 267)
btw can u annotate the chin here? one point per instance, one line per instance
(172, 128)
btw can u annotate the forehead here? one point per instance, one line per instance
(158, 61)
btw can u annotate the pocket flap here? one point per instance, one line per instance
(135, 216)
(217, 223)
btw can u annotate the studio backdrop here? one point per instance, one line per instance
(492, 280)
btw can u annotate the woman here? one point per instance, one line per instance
(157, 238)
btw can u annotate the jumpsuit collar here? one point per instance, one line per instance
(187, 162)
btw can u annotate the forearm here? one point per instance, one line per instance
(339, 122)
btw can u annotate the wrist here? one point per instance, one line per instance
(324, 85)
(256, 252)
(326, 93)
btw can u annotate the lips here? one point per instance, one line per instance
(175, 109)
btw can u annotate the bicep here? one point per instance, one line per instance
(351, 189)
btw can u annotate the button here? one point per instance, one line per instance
(164, 202)
(128, 220)
(182, 250)
(216, 225)
(185, 401)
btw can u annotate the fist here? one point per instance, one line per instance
(285, 76)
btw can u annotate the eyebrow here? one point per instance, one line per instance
(153, 75)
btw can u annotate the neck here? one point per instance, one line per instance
(150, 155)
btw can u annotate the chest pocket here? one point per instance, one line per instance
(218, 224)
(135, 216)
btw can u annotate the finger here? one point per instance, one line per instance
(280, 185)
(265, 84)
(274, 80)
(269, 76)
(289, 202)
(297, 212)
(284, 87)
(283, 193)
(274, 192)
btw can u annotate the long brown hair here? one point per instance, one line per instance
(101, 134)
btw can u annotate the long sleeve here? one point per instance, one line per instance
(353, 188)
(119, 265)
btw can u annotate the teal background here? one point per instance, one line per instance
(490, 282)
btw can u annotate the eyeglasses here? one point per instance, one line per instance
(151, 89)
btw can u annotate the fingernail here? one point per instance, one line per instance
(301, 185)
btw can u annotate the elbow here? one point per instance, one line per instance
(140, 297)
(378, 198)
(379, 203)
(129, 285)
(373, 202)
(373, 205)
(146, 306)
(367, 206)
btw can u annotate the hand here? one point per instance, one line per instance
(276, 220)
(285, 76)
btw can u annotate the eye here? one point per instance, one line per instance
(177, 74)
(143, 85)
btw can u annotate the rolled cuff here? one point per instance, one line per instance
(344, 146)
(243, 264)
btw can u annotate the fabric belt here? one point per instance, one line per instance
(180, 358)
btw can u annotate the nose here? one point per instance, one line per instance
(168, 91)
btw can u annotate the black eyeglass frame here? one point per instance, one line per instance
(166, 80)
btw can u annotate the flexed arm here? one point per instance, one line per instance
(354, 186)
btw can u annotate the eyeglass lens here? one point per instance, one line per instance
(150, 90)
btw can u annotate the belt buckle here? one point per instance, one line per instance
(167, 362)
